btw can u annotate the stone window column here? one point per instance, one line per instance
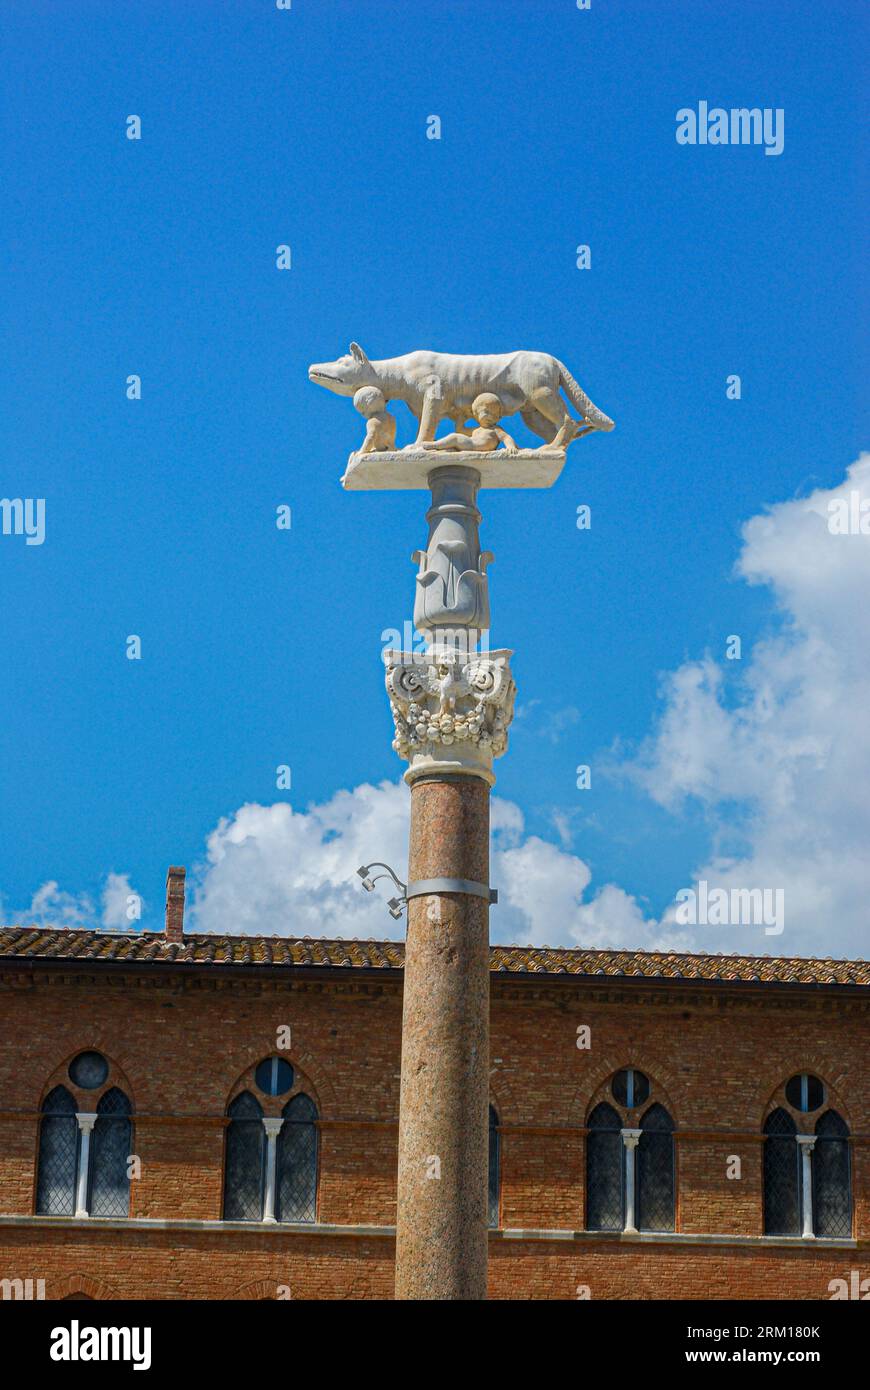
(807, 1143)
(86, 1123)
(273, 1129)
(629, 1139)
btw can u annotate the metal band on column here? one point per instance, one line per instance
(425, 886)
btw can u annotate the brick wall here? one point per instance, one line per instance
(180, 1043)
(209, 1265)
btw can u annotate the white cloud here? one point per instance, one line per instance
(782, 768)
(616, 918)
(774, 751)
(550, 724)
(273, 870)
(506, 823)
(51, 906)
(119, 899)
(270, 870)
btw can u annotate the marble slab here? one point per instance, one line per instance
(408, 469)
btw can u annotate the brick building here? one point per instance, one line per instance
(200, 1117)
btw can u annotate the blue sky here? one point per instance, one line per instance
(261, 647)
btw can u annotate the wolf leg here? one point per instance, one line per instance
(547, 402)
(431, 412)
(538, 424)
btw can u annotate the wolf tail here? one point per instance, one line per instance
(593, 416)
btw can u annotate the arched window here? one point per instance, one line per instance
(782, 1216)
(494, 1168)
(110, 1154)
(655, 1171)
(630, 1164)
(58, 1155)
(807, 1178)
(605, 1191)
(83, 1154)
(296, 1161)
(832, 1188)
(245, 1152)
(270, 1170)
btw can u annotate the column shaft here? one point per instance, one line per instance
(441, 1223)
(86, 1123)
(807, 1144)
(630, 1139)
(273, 1129)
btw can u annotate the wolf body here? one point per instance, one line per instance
(436, 385)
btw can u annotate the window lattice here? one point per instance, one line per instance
(781, 1176)
(245, 1155)
(111, 1143)
(832, 1194)
(655, 1171)
(492, 1215)
(296, 1175)
(605, 1194)
(58, 1155)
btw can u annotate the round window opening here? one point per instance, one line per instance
(89, 1070)
(630, 1088)
(804, 1092)
(274, 1076)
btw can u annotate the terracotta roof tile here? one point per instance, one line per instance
(73, 944)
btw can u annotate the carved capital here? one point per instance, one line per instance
(451, 709)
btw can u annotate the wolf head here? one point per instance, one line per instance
(346, 374)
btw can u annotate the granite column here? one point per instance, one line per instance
(441, 1223)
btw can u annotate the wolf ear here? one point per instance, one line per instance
(357, 353)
